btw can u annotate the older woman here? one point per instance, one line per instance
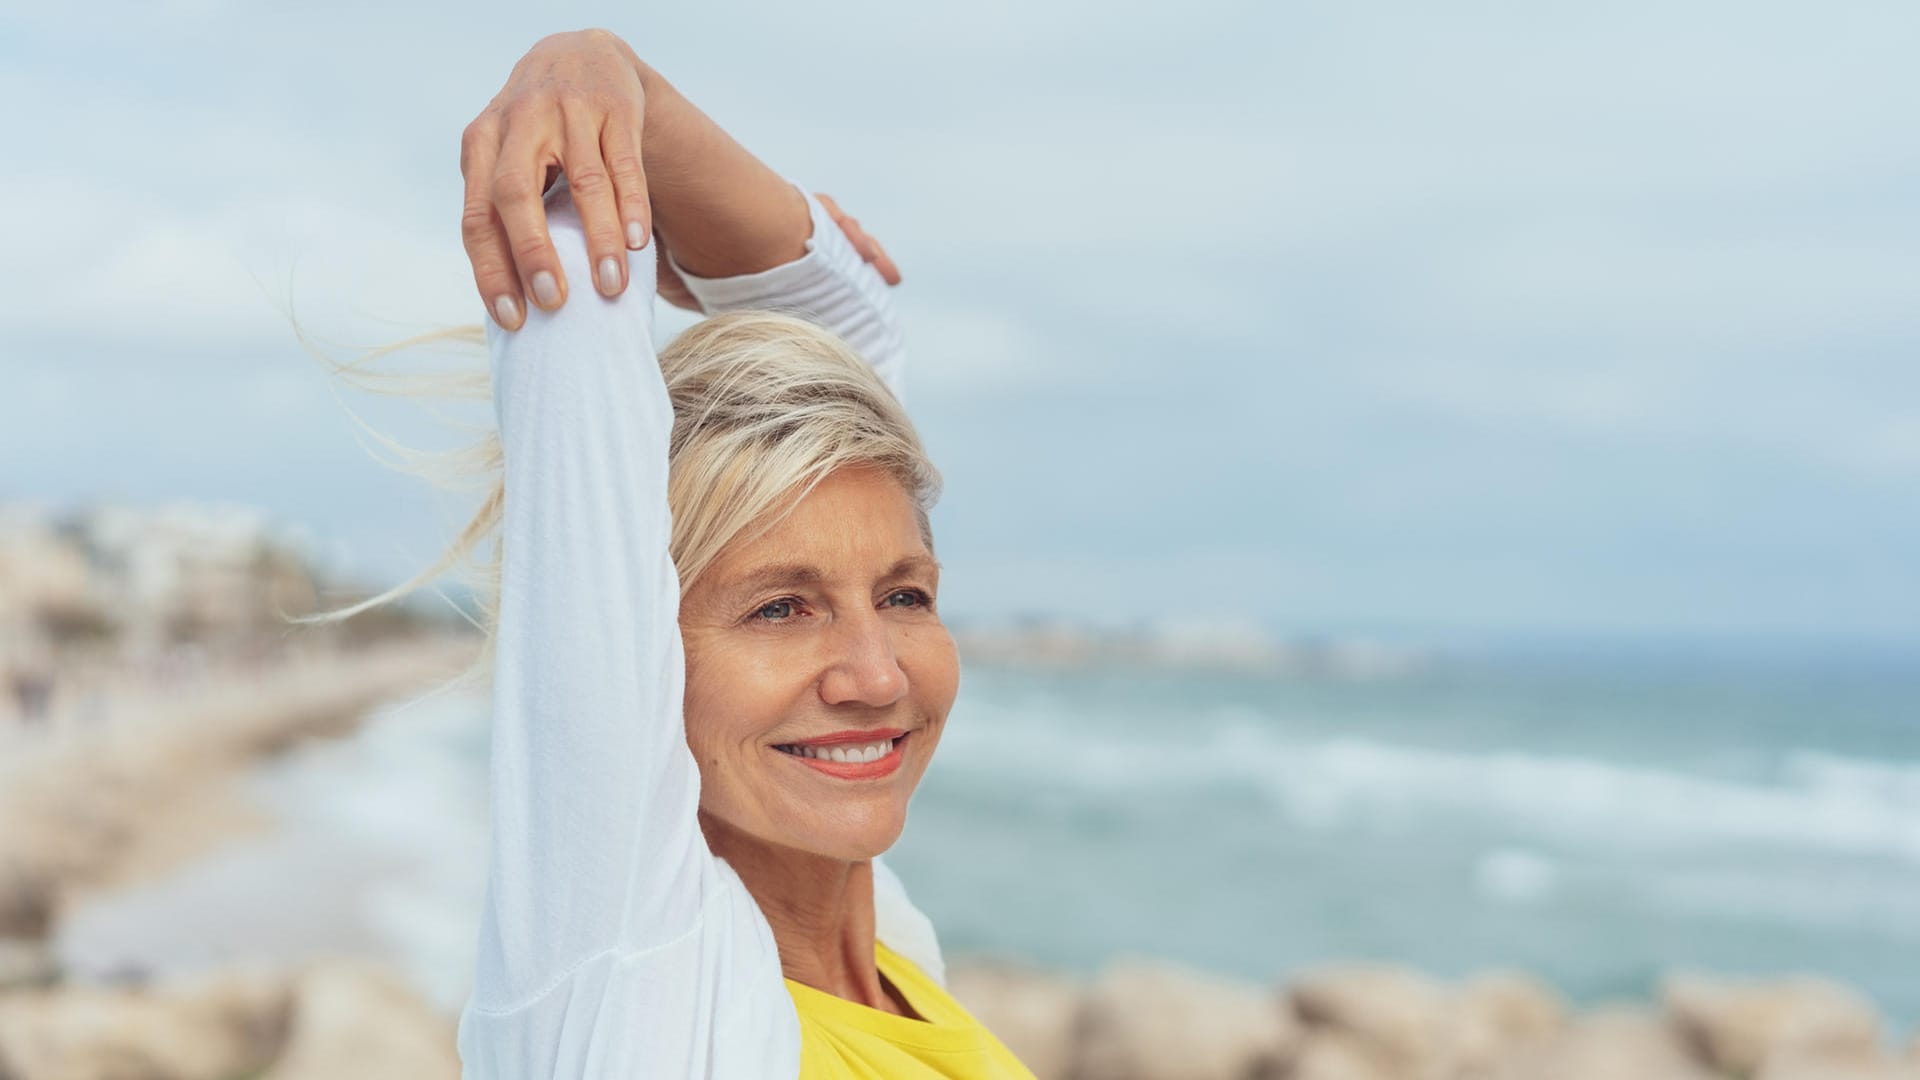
(719, 668)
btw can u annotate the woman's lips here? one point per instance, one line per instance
(885, 748)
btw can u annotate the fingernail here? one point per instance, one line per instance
(545, 290)
(636, 236)
(506, 309)
(609, 275)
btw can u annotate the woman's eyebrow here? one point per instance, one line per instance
(778, 574)
(781, 575)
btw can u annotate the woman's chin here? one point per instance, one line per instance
(852, 842)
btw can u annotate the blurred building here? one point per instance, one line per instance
(124, 583)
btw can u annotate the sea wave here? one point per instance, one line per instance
(1811, 799)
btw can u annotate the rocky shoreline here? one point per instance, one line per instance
(1145, 1020)
(1138, 1020)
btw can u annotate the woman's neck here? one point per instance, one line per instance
(821, 912)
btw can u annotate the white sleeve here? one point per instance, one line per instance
(830, 285)
(612, 943)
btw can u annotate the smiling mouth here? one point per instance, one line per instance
(845, 753)
(849, 760)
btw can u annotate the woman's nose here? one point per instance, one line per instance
(864, 669)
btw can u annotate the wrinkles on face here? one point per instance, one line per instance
(827, 625)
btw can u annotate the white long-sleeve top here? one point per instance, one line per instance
(613, 944)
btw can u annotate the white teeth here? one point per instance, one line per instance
(857, 754)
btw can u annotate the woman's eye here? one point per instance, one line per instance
(789, 609)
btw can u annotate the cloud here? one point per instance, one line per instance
(1312, 298)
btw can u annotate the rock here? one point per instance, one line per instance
(214, 1029)
(355, 1019)
(1151, 1021)
(1737, 1026)
(1606, 1044)
(1791, 1066)
(1332, 1054)
(1516, 1006)
(1496, 1015)
(1034, 1012)
(1405, 1017)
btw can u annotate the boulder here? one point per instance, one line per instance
(1332, 1054)
(1496, 1015)
(1035, 1013)
(212, 1029)
(1516, 1006)
(1737, 1026)
(1796, 1067)
(356, 1019)
(1609, 1043)
(1404, 1017)
(1150, 1021)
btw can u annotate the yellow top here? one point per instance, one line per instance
(844, 1040)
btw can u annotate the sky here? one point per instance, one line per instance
(1359, 317)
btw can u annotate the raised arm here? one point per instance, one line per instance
(612, 942)
(593, 789)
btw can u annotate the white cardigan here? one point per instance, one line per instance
(613, 943)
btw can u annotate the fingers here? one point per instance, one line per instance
(481, 230)
(517, 201)
(594, 197)
(620, 143)
(869, 248)
(889, 272)
(575, 103)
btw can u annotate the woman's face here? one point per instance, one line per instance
(820, 641)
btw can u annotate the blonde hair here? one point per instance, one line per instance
(765, 406)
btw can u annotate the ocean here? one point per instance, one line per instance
(1594, 819)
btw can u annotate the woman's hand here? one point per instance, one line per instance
(579, 103)
(674, 291)
(867, 246)
(575, 103)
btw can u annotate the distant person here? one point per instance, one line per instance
(32, 696)
(684, 876)
(30, 681)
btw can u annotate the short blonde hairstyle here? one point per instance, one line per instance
(765, 406)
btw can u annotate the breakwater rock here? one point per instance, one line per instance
(1144, 1020)
(337, 1019)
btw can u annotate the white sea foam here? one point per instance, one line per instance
(1816, 801)
(408, 791)
(1515, 876)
